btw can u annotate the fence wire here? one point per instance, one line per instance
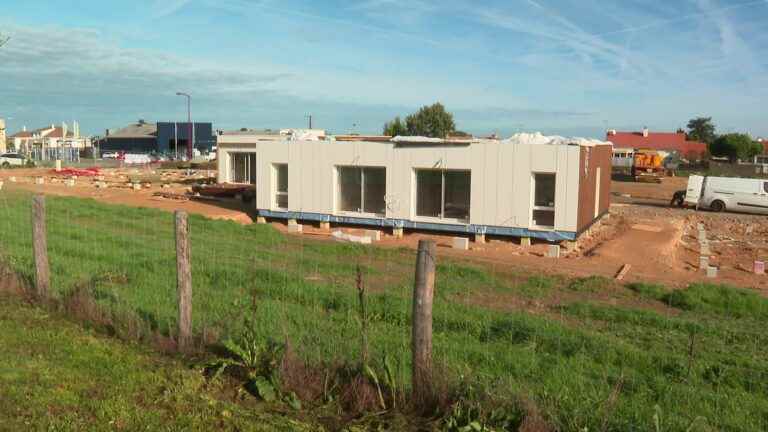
(587, 353)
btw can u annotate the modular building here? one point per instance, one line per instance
(530, 185)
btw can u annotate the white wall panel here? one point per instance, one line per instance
(501, 175)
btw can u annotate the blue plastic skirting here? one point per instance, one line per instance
(550, 236)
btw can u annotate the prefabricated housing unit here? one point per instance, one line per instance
(526, 186)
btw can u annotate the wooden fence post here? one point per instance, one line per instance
(40, 248)
(183, 280)
(423, 294)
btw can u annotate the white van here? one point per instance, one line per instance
(726, 193)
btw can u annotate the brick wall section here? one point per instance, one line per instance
(598, 156)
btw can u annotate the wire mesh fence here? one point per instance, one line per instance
(577, 353)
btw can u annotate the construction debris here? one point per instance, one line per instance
(461, 243)
(247, 192)
(342, 236)
(172, 196)
(623, 272)
(759, 267)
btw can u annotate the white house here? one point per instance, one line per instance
(530, 185)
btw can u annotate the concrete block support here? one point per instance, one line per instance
(711, 272)
(39, 180)
(525, 241)
(374, 235)
(397, 232)
(295, 228)
(553, 251)
(461, 243)
(703, 262)
(292, 222)
(1, 185)
(325, 226)
(261, 220)
(480, 238)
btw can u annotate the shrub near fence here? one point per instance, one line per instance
(580, 365)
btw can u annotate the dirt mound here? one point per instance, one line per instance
(644, 242)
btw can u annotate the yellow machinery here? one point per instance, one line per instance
(648, 166)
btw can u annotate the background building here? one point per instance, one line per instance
(3, 137)
(158, 138)
(52, 142)
(170, 134)
(667, 141)
(139, 137)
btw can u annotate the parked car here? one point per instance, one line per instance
(725, 193)
(8, 160)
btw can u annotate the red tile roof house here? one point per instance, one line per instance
(668, 141)
(764, 142)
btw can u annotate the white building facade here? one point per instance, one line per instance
(519, 187)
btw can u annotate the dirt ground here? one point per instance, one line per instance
(659, 243)
(119, 190)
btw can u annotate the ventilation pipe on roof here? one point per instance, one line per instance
(611, 131)
(645, 132)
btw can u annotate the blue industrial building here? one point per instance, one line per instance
(163, 138)
(169, 134)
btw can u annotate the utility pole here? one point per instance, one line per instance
(190, 143)
(310, 120)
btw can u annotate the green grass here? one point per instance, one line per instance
(722, 300)
(54, 375)
(303, 290)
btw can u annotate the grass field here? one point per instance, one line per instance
(54, 375)
(589, 354)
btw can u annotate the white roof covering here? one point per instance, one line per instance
(519, 138)
(539, 138)
(416, 139)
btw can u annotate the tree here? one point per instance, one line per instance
(430, 121)
(395, 127)
(735, 146)
(702, 129)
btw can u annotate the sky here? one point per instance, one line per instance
(568, 67)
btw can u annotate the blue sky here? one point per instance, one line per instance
(571, 67)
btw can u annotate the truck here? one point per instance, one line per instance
(648, 166)
(746, 195)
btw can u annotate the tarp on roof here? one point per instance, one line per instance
(537, 138)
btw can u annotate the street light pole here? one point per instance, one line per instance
(190, 144)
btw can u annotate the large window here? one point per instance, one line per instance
(243, 168)
(544, 200)
(443, 194)
(281, 185)
(362, 189)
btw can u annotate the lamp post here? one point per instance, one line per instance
(190, 144)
